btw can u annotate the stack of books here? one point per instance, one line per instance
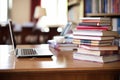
(95, 41)
(62, 43)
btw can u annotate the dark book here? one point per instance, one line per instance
(118, 25)
(98, 24)
(88, 6)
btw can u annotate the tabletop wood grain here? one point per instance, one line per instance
(61, 63)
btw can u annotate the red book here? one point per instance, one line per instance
(92, 28)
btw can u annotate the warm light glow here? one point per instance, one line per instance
(55, 63)
(3, 10)
(59, 29)
(4, 56)
(39, 12)
(56, 12)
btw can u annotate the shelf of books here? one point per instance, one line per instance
(104, 8)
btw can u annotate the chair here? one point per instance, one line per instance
(28, 36)
(53, 32)
(4, 34)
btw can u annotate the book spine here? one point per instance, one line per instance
(88, 6)
(105, 6)
(112, 47)
(118, 25)
(101, 59)
(92, 37)
(96, 53)
(92, 27)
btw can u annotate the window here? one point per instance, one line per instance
(56, 12)
(3, 10)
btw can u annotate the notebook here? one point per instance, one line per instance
(42, 51)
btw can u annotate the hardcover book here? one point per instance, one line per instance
(96, 52)
(94, 24)
(94, 19)
(94, 44)
(101, 59)
(92, 41)
(95, 33)
(111, 47)
(93, 37)
(103, 28)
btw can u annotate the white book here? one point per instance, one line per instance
(93, 37)
(95, 33)
(101, 59)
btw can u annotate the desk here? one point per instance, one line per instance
(61, 66)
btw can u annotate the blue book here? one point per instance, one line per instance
(118, 25)
(105, 6)
(88, 6)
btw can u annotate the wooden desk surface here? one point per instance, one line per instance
(61, 66)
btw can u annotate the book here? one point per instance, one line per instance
(93, 41)
(66, 48)
(96, 52)
(88, 6)
(93, 37)
(111, 47)
(93, 44)
(118, 25)
(66, 45)
(95, 33)
(94, 19)
(103, 28)
(100, 59)
(63, 46)
(94, 24)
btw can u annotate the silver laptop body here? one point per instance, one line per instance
(43, 51)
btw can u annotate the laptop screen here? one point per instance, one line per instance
(12, 37)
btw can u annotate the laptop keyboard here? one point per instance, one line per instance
(28, 52)
(33, 52)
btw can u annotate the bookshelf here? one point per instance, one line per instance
(108, 8)
(104, 8)
(95, 8)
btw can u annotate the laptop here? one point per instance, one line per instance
(42, 51)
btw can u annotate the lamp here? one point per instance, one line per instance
(39, 12)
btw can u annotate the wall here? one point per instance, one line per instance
(20, 11)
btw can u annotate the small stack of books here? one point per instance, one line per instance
(95, 41)
(62, 43)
